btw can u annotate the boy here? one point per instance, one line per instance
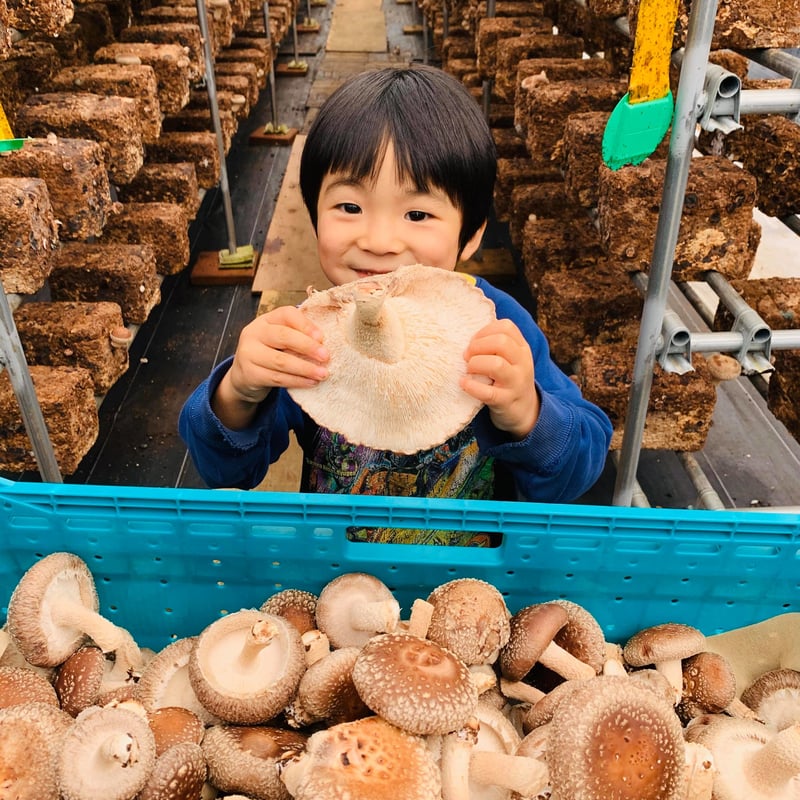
(398, 168)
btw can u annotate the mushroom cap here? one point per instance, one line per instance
(723, 367)
(469, 618)
(669, 641)
(394, 370)
(327, 692)
(612, 739)
(107, 754)
(165, 681)
(79, 678)
(245, 667)
(244, 759)
(173, 725)
(415, 684)
(582, 636)
(709, 685)
(775, 697)
(352, 595)
(27, 760)
(41, 640)
(178, 774)
(296, 605)
(531, 629)
(20, 685)
(368, 759)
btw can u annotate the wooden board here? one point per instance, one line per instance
(289, 262)
(358, 26)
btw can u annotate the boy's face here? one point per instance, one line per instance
(374, 227)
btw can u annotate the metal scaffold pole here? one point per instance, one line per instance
(688, 101)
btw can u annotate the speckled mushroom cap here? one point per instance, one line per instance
(79, 678)
(669, 641)
(368, 759)
(396, 344)
(582, 636)
(415, 684)
(531, 630)
(20, 685)
(296, 605)
(243, 759)
(173, 725)
(40, 639)
(709, 685)
(178, 774)
(775, 698)
(611, 739)
(469, 618)
(245, 667)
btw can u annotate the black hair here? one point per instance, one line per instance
(438, 132)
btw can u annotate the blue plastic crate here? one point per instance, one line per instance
(169, 561)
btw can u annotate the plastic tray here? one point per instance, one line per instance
(169, 561)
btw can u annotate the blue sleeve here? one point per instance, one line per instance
(564, 454)
(229, 458)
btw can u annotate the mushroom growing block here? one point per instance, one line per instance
(245, 667)
(492, 29)
(680, 406)
(111, 121)
(743, 24)
(169, 61)
(30, 234)
(137, 81)
(515, 172)
(164, 183)
(76, 334)
(717, 230)
(197, 147)
(66, 397)
(164, 226)
(120, 273)
(185, 35)
(48, 17)
(408, 396)
(200, 119)
(76, 176)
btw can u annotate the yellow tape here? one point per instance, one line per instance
(5, 128)
(652, 49)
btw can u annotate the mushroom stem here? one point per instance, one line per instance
(519, 690)
(565, 664)
(672, 670)
(259, 636)
(379, 615)
(420, 618)
(375, 331)
(774, 764)
(110, 638)
(522, 774)
(457, 748)
(483, 676)
(121, 748)
(699, 771)
(316, 644)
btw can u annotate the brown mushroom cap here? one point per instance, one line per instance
(178, 774)
(244, 759)
(20, 685)
(327, 692)
(469, 618)
(79, 678)
(245, 667)
(396, 345)
(355, 606)
(582, 636)
(709, 686)
(775, 698)
(296, 605)
(611, 739)
(532, 629)
(415, 684)
(368, 759)
(107, 754)
(173, 725)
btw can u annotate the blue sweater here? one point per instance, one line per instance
(558, 461)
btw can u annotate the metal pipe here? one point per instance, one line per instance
(12, 357)
(707, 497)
(759, 101)
(733, 341)
(638, 498)
(211, 87)
(273, 98)
(690, 88)
(779, 61)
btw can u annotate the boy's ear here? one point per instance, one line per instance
(473, 244)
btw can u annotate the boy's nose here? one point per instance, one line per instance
(380, 237)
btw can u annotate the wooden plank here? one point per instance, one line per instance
(289, 262)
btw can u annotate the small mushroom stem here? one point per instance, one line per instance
(420, 619)
(523, 774)
(672, 670)
(292, 771)
(483, 676)
(316, 644)
(259, 637)
(736, 708)
(457, 748)
(121, 748)
(772, 766)
(374, 330)
(110, 638)
(379, 615)
(564, 663)
(519, 690)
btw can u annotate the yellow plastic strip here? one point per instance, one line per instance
(5, 128)
(652, 49)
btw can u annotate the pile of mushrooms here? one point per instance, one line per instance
(342, 695)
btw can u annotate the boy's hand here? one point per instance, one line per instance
(281, 348)
(500, 373)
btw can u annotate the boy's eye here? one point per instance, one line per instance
(417, 216)
(350, 208)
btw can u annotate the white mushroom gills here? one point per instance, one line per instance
(374, 329)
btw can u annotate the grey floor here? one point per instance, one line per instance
(749, 459)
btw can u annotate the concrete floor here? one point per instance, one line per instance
(749, 459)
